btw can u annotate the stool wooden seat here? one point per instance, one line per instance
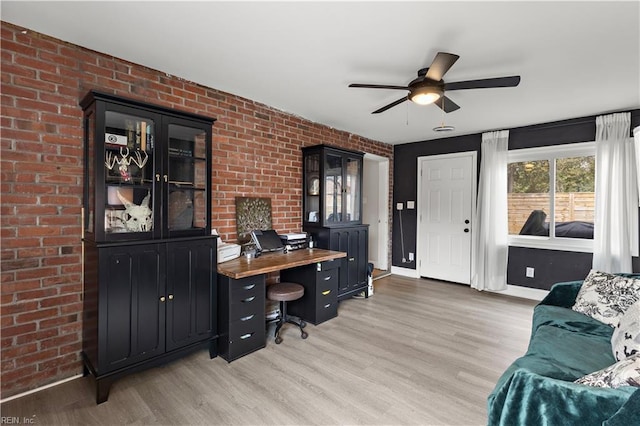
(283, 293)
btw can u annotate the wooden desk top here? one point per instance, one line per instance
(272, 262)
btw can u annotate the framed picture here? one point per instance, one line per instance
(252, 214)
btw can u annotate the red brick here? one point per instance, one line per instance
(18, 330)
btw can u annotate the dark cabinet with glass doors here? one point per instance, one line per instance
(149, 259)
(332, 210)
(332, 193)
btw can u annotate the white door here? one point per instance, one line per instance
(446, 197)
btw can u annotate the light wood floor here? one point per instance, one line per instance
(416, 352)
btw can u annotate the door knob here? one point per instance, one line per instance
(466, 221)
(466, 229)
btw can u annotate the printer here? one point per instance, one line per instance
(226, 251)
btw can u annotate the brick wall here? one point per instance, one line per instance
(256, 152)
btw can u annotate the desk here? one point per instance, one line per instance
(273, 262)
(241, 295)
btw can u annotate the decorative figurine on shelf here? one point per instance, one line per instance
(137, 218)
(139, 158)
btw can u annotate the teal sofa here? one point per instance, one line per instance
(538, 388)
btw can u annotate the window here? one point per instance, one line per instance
(551, 197)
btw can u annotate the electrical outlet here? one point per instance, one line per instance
(530, 272)
(410, 257)
(411, 205)
(399, 206)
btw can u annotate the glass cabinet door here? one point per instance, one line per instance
(353, 178)
(333, 188)
(128, 175)
(188, 179)
(312, 188)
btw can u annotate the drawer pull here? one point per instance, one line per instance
(248, 299)
(324, 293)
(327, 278)
(249, 286)
(327, 305)
(246, 336)
(247, 318)
(351, 259)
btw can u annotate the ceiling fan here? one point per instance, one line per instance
(429, 87)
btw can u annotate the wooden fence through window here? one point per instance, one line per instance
(570, 206)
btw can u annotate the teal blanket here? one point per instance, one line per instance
(538, 388)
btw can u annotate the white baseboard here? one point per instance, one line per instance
(512, 290)
(50, 385)
(523, 292)
(405, 272)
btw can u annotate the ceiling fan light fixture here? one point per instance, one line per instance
(425, 95)
(443, 128)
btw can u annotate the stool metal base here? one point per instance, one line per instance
(285, 318)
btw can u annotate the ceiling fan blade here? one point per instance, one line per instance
(378, 86)
(440, 65)
(446, 104)
(391, 105)
(485, 83)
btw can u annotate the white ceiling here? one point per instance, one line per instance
(575, 58)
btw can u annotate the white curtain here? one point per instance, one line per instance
(616, 194)
(491, 229)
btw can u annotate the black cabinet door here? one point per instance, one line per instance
(363, 256)
(191, 292)
(353, 241)
(131, 310)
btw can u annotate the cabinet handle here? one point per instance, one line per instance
(171, 297)
(166, 178)
(327, 305)
(157, 177)
(249, 286)
(248, 299)
(327, 278)
(162, 299)
(351, 259)
(247, 318)
(324, 293)
(246, 336)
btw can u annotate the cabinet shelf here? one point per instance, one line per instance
(186, 158)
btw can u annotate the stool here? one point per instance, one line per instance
(283, 293)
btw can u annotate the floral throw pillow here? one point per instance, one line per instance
(622, 373)
(625, 340)
(606, 297)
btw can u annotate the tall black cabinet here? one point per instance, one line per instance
(150, 290)
(332, 211)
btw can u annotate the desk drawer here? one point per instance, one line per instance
(328, 265)
(249, 305)
(326, 311)
(326, 280)
(246, 288)
(245, 337)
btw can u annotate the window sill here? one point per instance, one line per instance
(545, 243)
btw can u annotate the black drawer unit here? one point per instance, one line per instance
(320, 281)
(241, 316)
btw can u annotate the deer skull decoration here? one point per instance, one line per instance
(137, 218)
